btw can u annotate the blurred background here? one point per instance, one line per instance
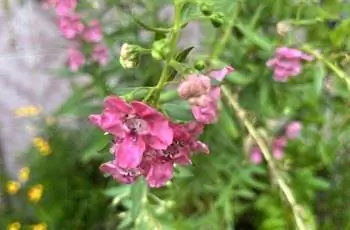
(50, 154)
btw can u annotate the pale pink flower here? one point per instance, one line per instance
(138, 125)
(65, 7)
(76, 59)
(100, 54)
(293, 129)
(256, 155)
(125, 176)
(208, 114)
(71, 26)
(278, 146)
(194, 86)
(287, 63)
(93, 32)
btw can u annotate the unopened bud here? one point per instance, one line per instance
(206, 8)
(217, 19)
(199, 65)
(194, 86)
(160, 49)
(129, 56)
(283, 27)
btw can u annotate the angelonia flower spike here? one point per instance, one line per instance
(75, 30)
(146, 143)
(291, 132)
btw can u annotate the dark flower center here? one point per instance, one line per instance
(136, 125)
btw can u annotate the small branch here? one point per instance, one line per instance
(287, 192)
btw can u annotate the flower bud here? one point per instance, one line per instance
(199, 65)
(206, 8)
(194, 86)
(160, 49)
(283, 27)
(129, 57)
(217, 19)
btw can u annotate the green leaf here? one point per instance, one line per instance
(138, 194)
(180, 57)
(132, 92)
(95, 147)
(257, 39)
(117, 191)
(150, 28)
(319, 75)
(180, 111)
(239, 79)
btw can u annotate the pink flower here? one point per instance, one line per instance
(125, 176)
(287, 63)
(138, 125)
(65, 7)
(93, 33)
(76, 59)
(208, 114)
(100, 54)
(256, 155)
(71, 26)
(293, 129)
(278, 146)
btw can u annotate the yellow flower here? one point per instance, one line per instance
(42, 146)
(41, 226)
(28, 111)
(35, 193)
(12, 187)
(14, 226)
(24, 174)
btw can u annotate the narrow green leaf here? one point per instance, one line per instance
(95, 147)
(150, 28)
(138, 192)
(180, 111)
(239, 79)
(319, 75)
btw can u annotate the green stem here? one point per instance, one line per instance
(227, 32)
(287, 192)
(174, 35)
(338, 72)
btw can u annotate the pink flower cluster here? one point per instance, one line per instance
(146, 143)
(71, 26)
(202, 95)
(292, 131)
(287, 63)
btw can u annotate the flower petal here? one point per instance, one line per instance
(159, 174)
(130, 151)
(116, 104)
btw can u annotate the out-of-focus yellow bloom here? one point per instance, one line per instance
(12, 187)
(42, 146)
(35, 193)
(28, 111)
(24, 174)
(40, 226)
(14, 226)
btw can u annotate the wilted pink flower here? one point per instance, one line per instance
(194, 86)
(71, 26)
(137, 125)
(208, 114)
(65, 7)
(287, 63)
(125, 176)
(76, 59)
(100, 54)
(293, 129)
(256, 155)
(93, 33)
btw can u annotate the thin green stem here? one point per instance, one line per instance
(173, 38)
(287, 192)
(338, 72)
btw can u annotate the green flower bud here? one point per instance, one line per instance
(199, 65)
(217, 19)
(129, 56)
(160, 49)
(206, 8)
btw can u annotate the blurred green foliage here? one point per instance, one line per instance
(223, 190)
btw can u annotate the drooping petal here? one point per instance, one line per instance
(108, 168)
(130, 151)
(116, 104)
(159, 174)
(221, 73)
